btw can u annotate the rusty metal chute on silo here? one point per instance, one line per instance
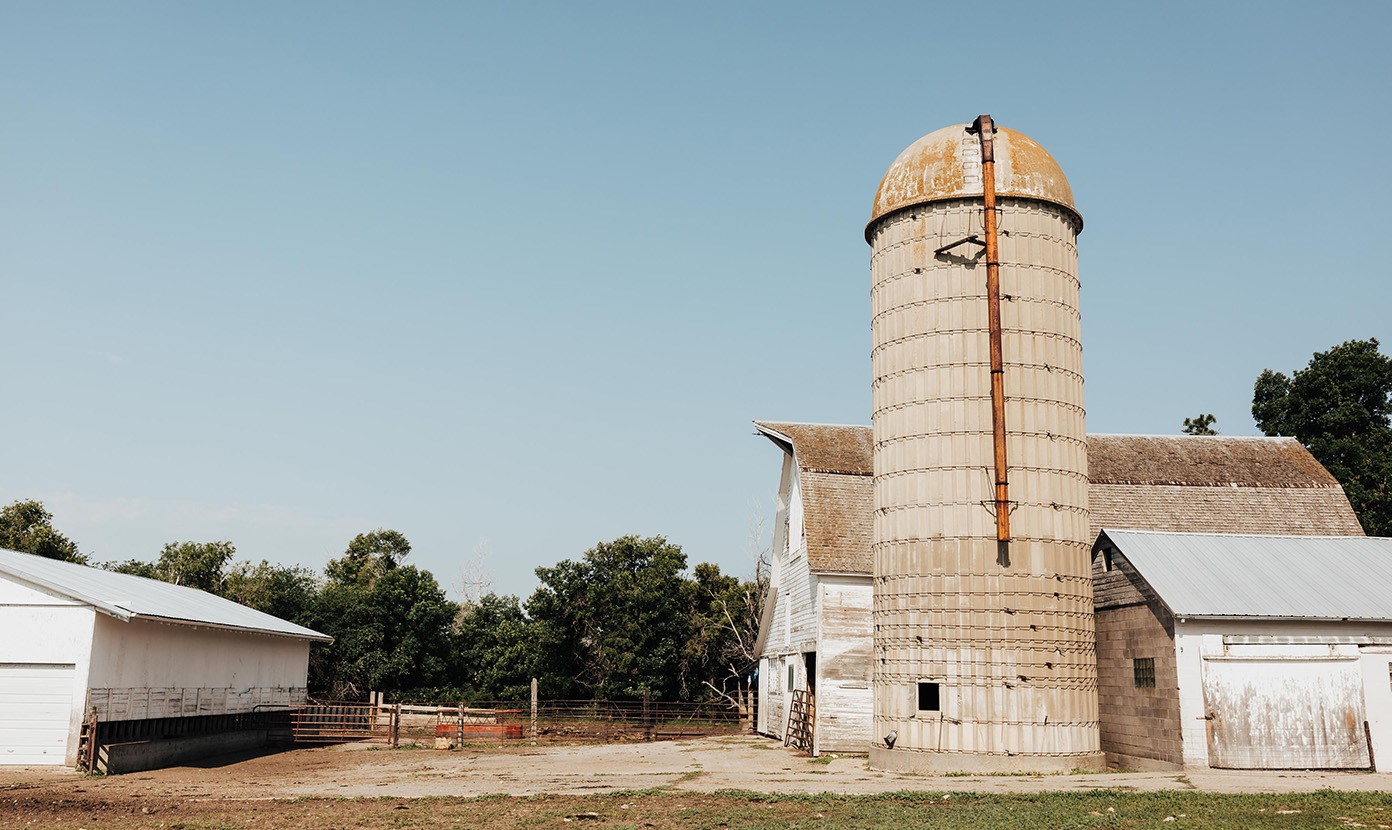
(987, 131)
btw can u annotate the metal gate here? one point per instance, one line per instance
(344, 722)
(1268, 712)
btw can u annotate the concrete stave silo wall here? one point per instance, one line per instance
(1011, 646)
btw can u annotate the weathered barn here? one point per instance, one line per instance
(815, 629)
(150, 659)
(1247, 652)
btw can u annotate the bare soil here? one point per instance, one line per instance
(729, 781)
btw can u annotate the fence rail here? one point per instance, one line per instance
(554, 721)
(337, 722)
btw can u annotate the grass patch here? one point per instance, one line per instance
(664, 808)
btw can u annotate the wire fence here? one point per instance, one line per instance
(494, 722)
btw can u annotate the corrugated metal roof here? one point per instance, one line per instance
(1307, 577)
(129, 597)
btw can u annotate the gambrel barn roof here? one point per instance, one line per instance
(1188, 483)
(834, 470)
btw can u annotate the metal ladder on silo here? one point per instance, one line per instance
(801, 717)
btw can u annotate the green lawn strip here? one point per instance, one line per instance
(731, 809)
(664, 808)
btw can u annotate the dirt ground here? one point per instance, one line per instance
(270, 790)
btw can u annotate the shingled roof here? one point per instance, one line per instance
(1213, 484)
(826, 448)
(1204, 484)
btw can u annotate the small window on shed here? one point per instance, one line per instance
(928, 697)
(792, 675)
(1107, 559)
(1144, 670)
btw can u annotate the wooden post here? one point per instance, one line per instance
(534, 711)
(396, 725)
(647, 715)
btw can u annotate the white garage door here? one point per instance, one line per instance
(1285, 713)
(35, 706)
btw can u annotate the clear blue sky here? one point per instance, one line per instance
(516, 277)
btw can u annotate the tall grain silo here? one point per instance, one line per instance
(983, 641)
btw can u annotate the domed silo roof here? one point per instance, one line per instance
(946, 164)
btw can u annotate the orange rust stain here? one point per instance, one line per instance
(931, 169)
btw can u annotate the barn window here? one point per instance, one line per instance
(928, 697)
(791, 676)
(1144, 670)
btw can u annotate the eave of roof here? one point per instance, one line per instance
(47, 575)
(1247, 576)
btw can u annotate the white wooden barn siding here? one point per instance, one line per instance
(1287, 651)
(793, 626)
(844, 664)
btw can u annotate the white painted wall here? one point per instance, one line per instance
(1195, 639)
(144, 653)
(37, 627)
(1376, 664)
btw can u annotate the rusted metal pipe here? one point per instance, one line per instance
(985, 130)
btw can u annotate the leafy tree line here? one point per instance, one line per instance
(623, 620)
(1340, 407)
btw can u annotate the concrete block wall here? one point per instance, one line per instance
(1140, 727)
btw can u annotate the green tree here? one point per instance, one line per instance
(495, 653)
(285, 592)
(724, 625)
(391, 623)
(1338, 407)
(198, 565)
(134, 567)
(614, 624)
(1200, 425)
(369, 556)
(27, 527)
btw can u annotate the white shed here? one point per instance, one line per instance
(79, 639)
(1249, 652)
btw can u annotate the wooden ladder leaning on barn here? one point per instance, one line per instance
(801, 717)
(87, 743)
